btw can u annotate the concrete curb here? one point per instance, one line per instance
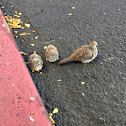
(16, 86)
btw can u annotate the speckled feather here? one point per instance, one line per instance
(85, 54)
(51, 53)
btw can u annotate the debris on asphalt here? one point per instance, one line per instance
(73, 8)
(32, 119)
(82, 83)
(59, 80)
(70, 14)
(32, 44)
(36, 37)
(32, 99)
(40, 72)
(23, 34)
(27, 25)
(24, 53)
(45, 47)
(13, 22)
(51, 114)
(55, 111)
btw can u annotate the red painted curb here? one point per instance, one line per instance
(16, 86)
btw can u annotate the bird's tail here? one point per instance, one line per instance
(34, 52)
(65, 60)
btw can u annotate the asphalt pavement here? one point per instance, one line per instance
(69, 24)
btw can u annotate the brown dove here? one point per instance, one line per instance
(51, 53)
(35, 62)
(85, 54)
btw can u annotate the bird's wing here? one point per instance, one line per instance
(82, 53)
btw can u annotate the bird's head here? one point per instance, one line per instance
(93, 44)
(37, 65)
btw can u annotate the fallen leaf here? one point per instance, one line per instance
(21, 52)
(33, 31)
(18, 16)
(27, 25)
(59, 80)
(55, 111)
(13, 22)
(14, 36)
(22, 27)
(33, 71)
(32, 44)
(36, 37)
(5, 14)
(23, 34)
(82, 83)
(50, 116)
(40, 72)
(70, 14)
(28, 33)
(16, 12)
(20, 13)
(27, 20)
(16, 32)
(45, 47)
(25, 53)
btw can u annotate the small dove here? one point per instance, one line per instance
(51, 53)
(35, 62)
(85, 54)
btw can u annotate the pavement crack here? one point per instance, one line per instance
(38, 13)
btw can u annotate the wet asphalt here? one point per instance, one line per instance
(69, 24)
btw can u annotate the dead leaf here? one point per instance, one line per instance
(36, 37)
(32, 44)
(50, 116)
(27, 25)
(70, 14)
(16, 32)
(45, 47)
(23, 53)
(20, 13)
(55, 111)
(82, 83)
(16, 12)
(23, 34)
(14, 36)
(59, 80)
